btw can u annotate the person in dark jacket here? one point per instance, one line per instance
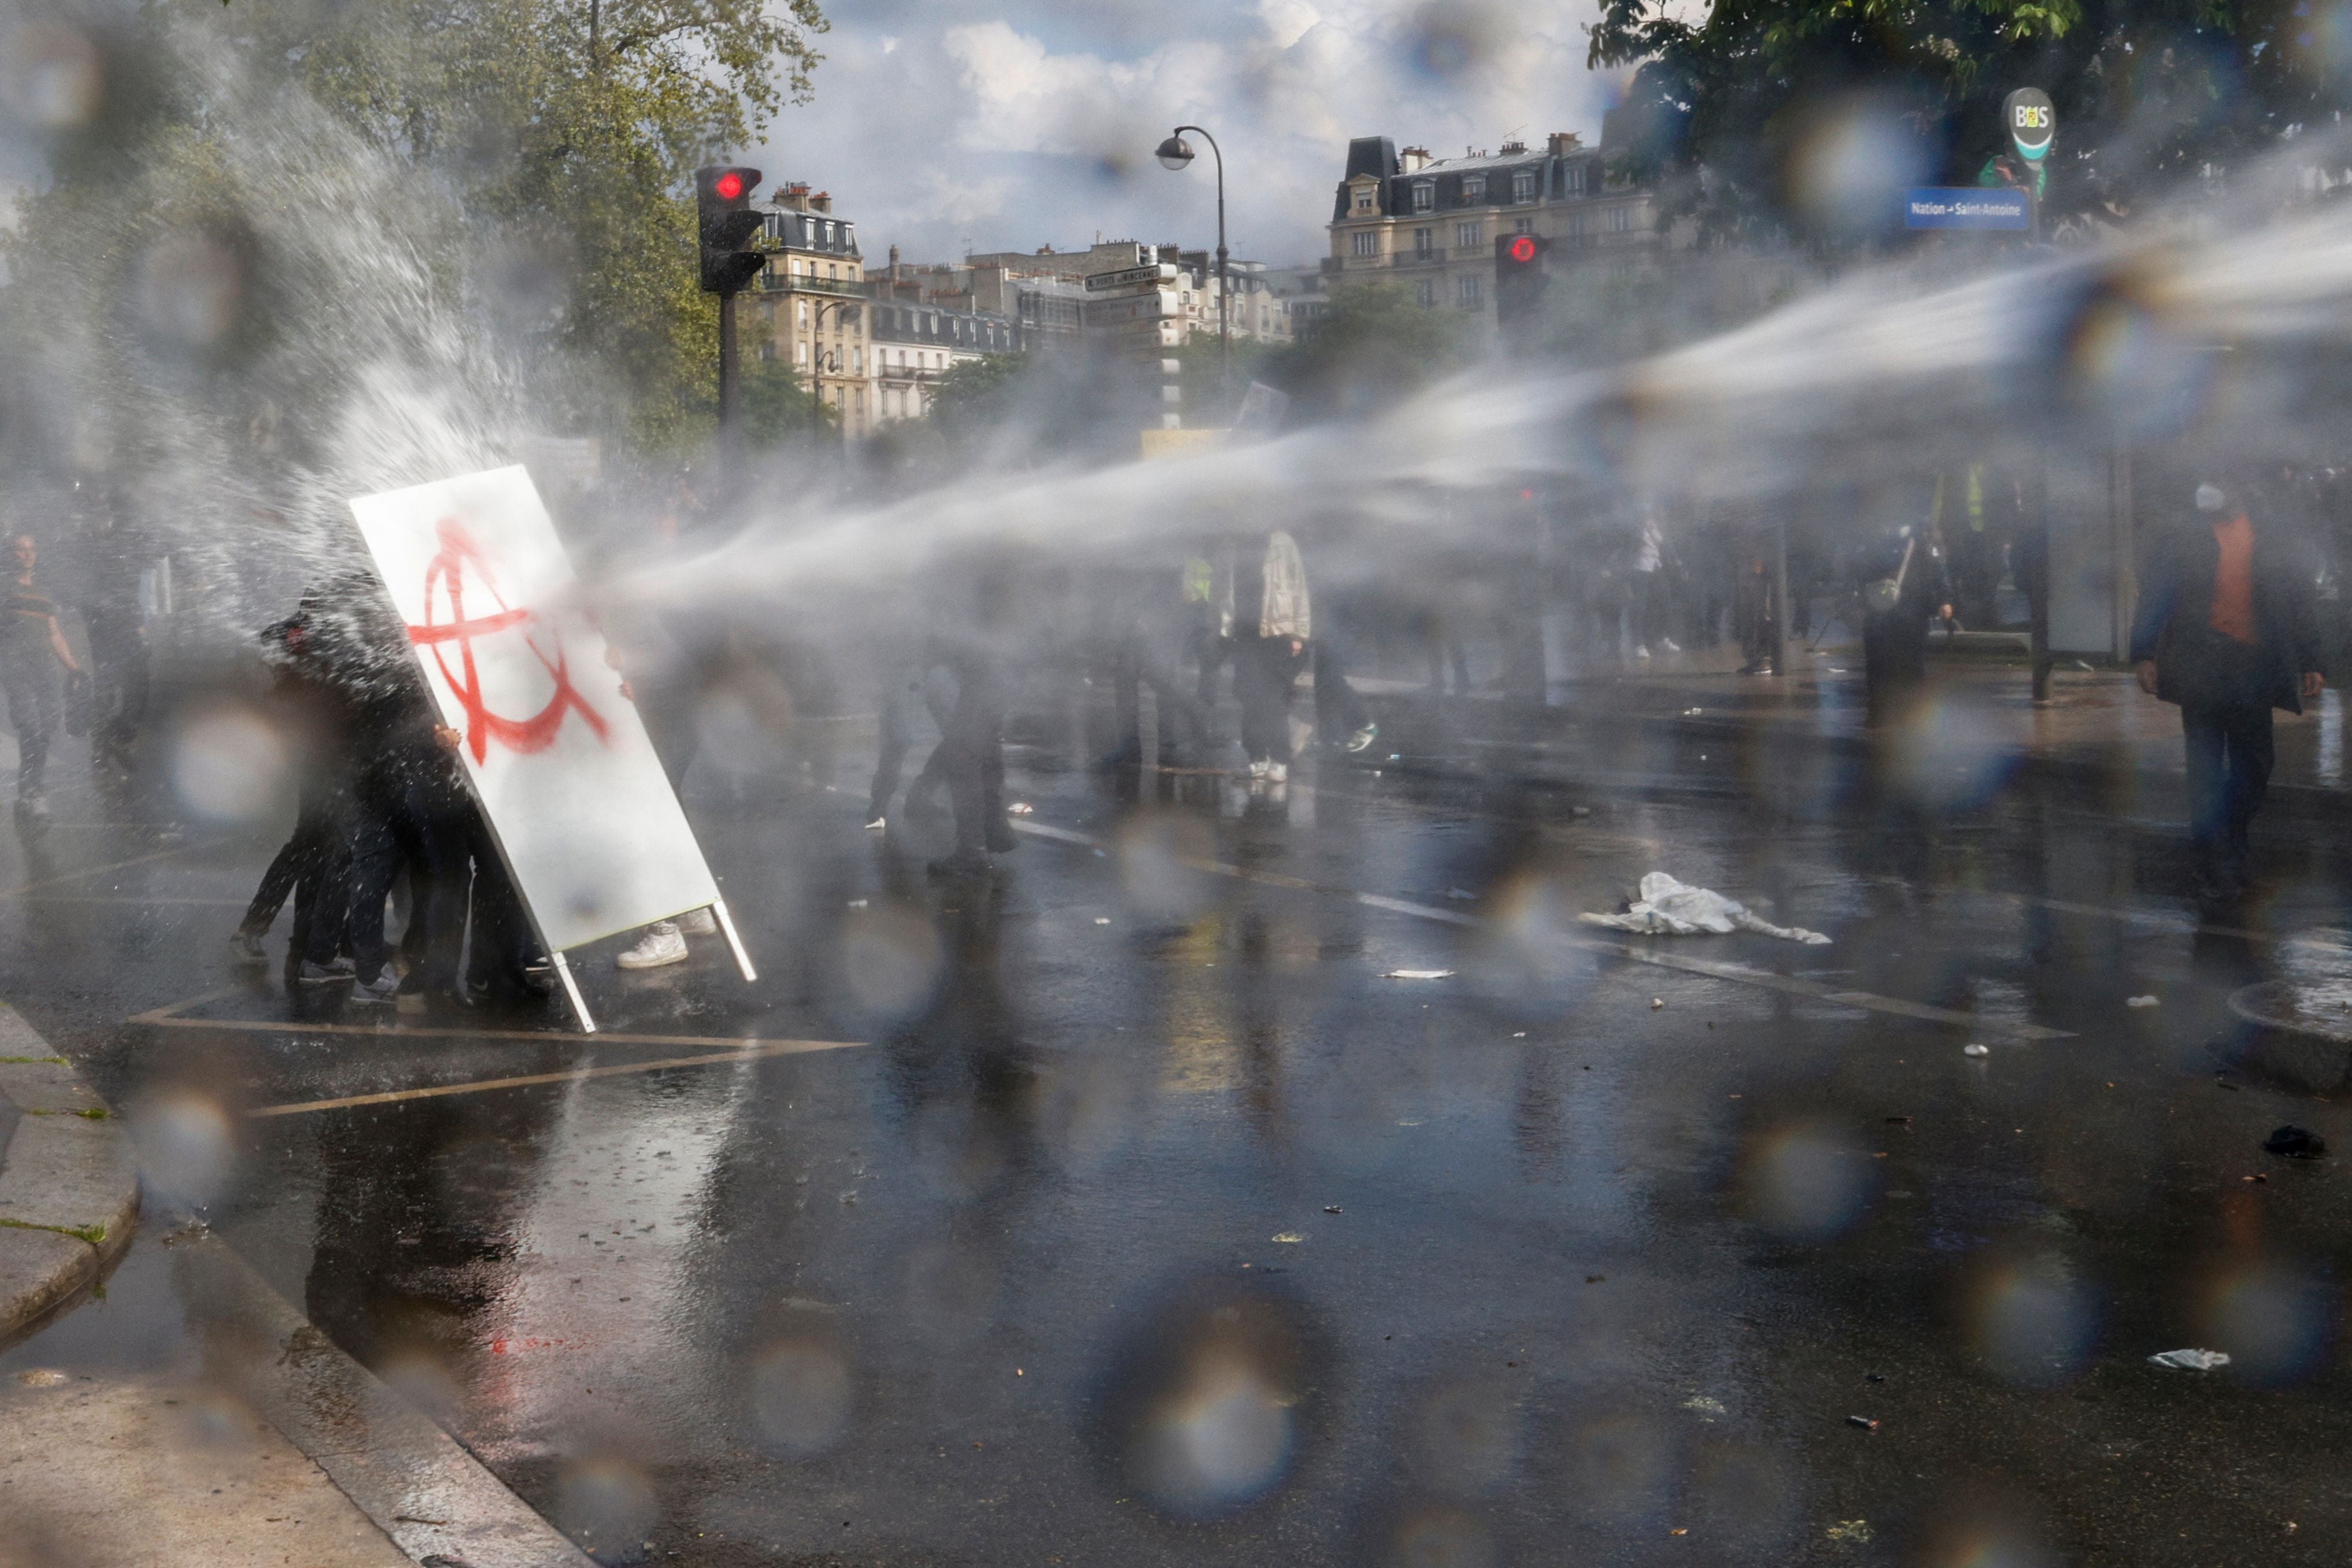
(2227, 629)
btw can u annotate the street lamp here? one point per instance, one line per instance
(1177, 153)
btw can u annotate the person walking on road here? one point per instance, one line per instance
(1270, 622)
(2228, 630)
(31, 647)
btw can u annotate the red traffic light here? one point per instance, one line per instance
(728, 187)
(1523, 248)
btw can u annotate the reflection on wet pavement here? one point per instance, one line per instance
(1145, 1223)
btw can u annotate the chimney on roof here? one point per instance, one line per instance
(895, 274)
(1044, 250)
(1563, 143)
(1514, 147)
(821, 202)
(1413, 159)
(795, 197)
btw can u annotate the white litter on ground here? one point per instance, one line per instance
(2139, 1001)
(1973, 1050)
(1418, 974)
(1669, 908)
(2191, 1361)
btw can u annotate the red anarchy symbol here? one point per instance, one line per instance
(446, 572)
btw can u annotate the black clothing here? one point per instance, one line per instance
(2192, 666)
(1264, 670)
(2226, 689)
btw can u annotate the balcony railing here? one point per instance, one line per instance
(784, 282)
(1418, 258)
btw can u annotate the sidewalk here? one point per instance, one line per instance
(175, 1410)
(2098, 730)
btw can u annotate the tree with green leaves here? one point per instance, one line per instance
(1375, 345)
(558, 136)
(2148, 91)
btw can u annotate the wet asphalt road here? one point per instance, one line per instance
(1130, 1215)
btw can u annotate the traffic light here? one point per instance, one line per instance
(1519, 278)
(723, 206)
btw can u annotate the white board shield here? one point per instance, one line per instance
(555, 754)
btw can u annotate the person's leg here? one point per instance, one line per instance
(896, 718)
(1264, 713)
(285, 870)
(2202, 734)
(1338, 712)
(375, 858)
(443, 880)
(2249, 749)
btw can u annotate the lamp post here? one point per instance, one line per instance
(1177, 153)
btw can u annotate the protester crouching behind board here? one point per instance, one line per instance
(311, 711)
(2227, 629)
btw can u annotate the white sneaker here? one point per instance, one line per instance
(1277, 773)
(1257, 767)
(699, 922)
(878, 825)
(661, 945)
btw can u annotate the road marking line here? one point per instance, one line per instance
(91, 871)
(1739, 973)
(754, 1050)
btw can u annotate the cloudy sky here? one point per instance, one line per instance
(947, 125)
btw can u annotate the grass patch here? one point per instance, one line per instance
(34, 1061)
(94, 1113)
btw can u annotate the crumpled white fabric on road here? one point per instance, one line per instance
(1669, 908)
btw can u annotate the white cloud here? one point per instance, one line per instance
(1033, 123)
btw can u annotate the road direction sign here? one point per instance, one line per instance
(1967, 206)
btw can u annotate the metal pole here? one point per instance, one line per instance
(1224, 303)
(727, 392)
(1780, 595)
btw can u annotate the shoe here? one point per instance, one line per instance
(879, 824)
(699, 922)
(1670, 645)
(311, 974)
(999, 839)
(660, 945)
(1257, 767)
(245, 947)
(1277, 773)
(1362, 739)
(963, 863)
(379, 992)
(1643, 653)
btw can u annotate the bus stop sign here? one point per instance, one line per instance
(2032, 121)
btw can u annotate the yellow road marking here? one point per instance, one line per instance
(752, 1050)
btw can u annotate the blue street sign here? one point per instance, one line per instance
(1967, 206)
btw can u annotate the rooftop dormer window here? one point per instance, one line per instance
(1425, 195)
(1473, 189)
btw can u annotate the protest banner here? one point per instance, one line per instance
(554, 753)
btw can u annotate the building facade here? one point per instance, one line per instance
(918, 340)
(812, 304)
(1430, 224)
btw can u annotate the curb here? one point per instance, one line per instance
(69, 1183)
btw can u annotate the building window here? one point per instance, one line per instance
(1523, 226)
(1523, 185)
(857, 361)
(799, 355)
(1364, 199)
(1620, 220)
(1428, 292)
(1576, 225)
(1469, 235)
(1468, 291)
(1572, 179)
(767, 350)
(1367, 242)
(1425, 195)
(1473, 189)
(1425, 243)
